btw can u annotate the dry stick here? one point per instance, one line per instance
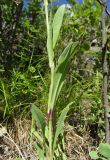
(105, 73)
(10, 139)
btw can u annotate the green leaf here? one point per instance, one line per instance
(40, 152)
(104, 150)
(32, 69)
(103, 158)
(40, 139)
(46, 132)
(60, 71)
(60, 123)
(94, 155)
(39, 117)
(57, 22)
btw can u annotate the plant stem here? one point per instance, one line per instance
(50, 138)
(5, 97)
(51, 65)
(46, 13)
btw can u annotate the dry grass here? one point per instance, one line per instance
(77, 146)
(16, 143)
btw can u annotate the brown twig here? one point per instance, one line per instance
(105, 71)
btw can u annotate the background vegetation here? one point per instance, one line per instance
(24, 69)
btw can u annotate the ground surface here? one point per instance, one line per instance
(15, 143)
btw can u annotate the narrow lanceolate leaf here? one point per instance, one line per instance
(57, 23)
(40, 152)
(40, 139)
(39, 118)
(60, 71)
(60, 123)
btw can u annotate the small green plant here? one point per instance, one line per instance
(48, 144)
(103, 152)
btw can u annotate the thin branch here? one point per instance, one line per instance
(106, 10)
(105, 72)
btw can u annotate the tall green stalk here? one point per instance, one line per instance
(51, 65)
(57, 76)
